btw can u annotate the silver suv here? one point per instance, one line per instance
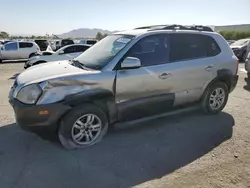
(127, 76)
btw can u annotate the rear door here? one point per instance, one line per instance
(191, 65)
(25, 49)
(10, 51)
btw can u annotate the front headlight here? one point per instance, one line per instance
(29, 94)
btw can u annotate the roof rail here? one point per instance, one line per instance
(150, 27)
(178, 27)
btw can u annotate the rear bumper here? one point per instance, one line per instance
(37, 118)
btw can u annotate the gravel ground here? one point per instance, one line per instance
(188, 150)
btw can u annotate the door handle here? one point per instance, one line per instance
(209, 67)
(165, 75)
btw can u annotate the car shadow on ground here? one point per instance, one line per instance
(125, 158)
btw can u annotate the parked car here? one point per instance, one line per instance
(88, 41)
(239, 48)
(18, 50)
(230, 41)
(126, 76)
(65, 53)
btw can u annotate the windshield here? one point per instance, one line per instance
(105, 50)
(240, 42)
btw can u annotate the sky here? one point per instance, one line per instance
(27, 17)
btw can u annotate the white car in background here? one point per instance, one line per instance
(18, 50)
(65, 53)
(88, 41)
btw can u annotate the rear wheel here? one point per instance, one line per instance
(215, 98)
(83, 126)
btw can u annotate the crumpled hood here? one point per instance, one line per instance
(47, 71)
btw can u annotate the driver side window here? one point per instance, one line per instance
(10, 46)
(152, 50)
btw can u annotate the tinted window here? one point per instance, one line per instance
(25, 45)
(71, 49)
(67, 42)
(151, 50)
(10, 46)
(187, 46)
(91, 42)
(43, 44)
(213, 48)
(81, 48)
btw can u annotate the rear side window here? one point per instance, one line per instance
(81, 48)
(67, 42)
(91, 42)
(152, 50)
(212, 47)
(68, 50)
(25, 45)
(187, 46)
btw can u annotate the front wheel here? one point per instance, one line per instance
(215, 98)
(83, 126)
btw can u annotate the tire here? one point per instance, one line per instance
(32, 55)
(210, 106)
(68, 132)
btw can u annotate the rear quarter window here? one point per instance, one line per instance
(212, 46)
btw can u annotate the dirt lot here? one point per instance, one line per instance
(188, 150)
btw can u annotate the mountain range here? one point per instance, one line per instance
(84, 32)
(91, 33)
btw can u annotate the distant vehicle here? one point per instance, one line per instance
(42, 43)
(230, 41)
(65, 53)
(18, 50)
(88, 41)
(239, 48)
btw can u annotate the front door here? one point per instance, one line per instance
(147, 90)
(10, 51)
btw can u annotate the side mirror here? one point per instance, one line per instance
(61, 52)
(130, 63)
(2, 48)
